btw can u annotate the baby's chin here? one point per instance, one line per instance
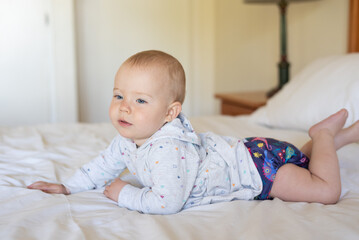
(138, 141)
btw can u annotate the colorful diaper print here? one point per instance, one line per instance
(269, 155)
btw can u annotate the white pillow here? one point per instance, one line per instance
(322, 88)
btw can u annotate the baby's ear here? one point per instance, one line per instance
(173, 110)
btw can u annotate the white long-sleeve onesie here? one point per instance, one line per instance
(177, 169)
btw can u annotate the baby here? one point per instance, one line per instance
(179, 168)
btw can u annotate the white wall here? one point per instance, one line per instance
(224, 45)
(110, 31)
(247, 40)
(64, 92)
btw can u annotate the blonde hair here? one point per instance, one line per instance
(172, 67)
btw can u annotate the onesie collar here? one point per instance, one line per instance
(180, 128)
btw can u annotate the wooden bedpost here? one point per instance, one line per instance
(353, 39)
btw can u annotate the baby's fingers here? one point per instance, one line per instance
(48, 187)
(37, 185)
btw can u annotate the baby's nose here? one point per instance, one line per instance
(124, 107)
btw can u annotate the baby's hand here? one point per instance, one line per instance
(49, 187)
(113, 190)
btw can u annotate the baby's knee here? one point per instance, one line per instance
(331, 195)
(293, 183)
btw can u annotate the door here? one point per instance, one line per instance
(25, 62)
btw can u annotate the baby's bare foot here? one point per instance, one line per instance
(351, 133)
(333, 124)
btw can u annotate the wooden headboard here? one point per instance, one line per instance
(353, 43)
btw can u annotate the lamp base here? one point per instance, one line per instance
(283, 72)
(272, 92)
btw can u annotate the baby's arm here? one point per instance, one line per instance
(93, 174)
(172, 172)
(49, 187)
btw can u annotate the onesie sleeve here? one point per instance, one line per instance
(173, 171)
(96, 173)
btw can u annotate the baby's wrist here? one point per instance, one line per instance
(66, 191)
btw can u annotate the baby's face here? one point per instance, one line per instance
(140, 102)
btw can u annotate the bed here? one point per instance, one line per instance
(53, 152)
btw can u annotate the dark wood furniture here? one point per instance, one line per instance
(242, 102)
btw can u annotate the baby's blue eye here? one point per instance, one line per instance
(118, 97)
(141, 101)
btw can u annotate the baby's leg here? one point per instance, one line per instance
(321, 182)
(344, 137)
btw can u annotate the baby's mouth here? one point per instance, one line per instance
(123, 123)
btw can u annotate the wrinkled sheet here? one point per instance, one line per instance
(53, 152)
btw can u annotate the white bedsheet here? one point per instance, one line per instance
(53, 152)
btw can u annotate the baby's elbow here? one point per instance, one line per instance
(174, 210)
(168, 209)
